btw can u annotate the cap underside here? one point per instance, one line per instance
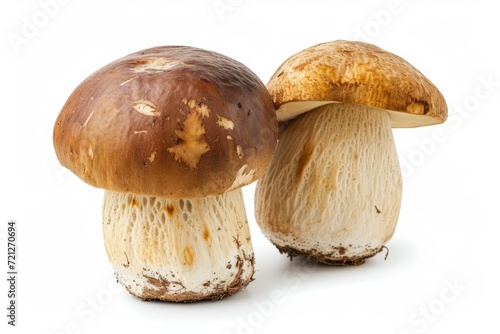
(399, 119)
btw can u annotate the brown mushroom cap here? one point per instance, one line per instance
(360, 73)
(171, 121)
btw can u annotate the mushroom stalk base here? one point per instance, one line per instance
(333, 190)
(178, 250)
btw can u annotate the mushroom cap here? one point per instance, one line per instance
(359, 73)
(169, 121)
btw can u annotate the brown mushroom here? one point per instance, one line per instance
(172, 133)
(333, 190)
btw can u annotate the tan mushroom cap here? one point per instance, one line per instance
(358, 73)
(172, 121)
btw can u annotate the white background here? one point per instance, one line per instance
(441, 274)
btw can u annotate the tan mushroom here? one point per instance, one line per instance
(172, 133)
(333, 190)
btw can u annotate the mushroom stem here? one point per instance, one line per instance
(333, 190)
(178, 249)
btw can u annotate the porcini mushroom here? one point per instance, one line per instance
(333, 190)
(172, 133)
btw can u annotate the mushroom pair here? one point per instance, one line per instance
(333, 190)
(172, 134)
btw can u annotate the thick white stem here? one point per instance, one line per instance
(178, 249)
(333, 190)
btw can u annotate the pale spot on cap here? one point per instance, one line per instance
(225, 123)
(145, 107)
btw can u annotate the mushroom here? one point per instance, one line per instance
(172, 134)
(333, 190)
